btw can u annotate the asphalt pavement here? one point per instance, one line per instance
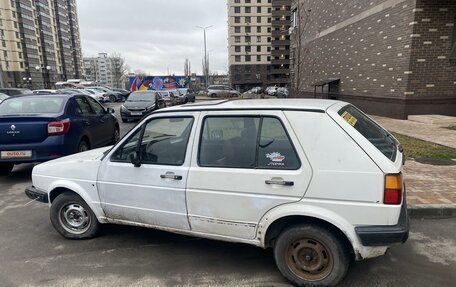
(32, 253)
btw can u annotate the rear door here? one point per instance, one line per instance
(246, 163)
(104, 124)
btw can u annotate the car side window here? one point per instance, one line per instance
(275, 150)
(229, 142)
(84, 108)
(163, 141)
(96, 107)
(246, 142)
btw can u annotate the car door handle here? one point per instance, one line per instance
(280, 182)
(171, 176)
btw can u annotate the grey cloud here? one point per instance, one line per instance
(153, 35)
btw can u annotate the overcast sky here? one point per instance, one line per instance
(154, 35)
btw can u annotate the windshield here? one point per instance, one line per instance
(379, 137)
(32, 105)
(142, 97)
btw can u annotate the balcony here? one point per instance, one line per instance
(279, 71)
(280, 32)
(280, 3)
(280, 13)
(280, 43)
(280, 52)
(280, 23)
(280, 61)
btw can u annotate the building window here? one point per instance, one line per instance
(237, 39)
(237, 58)
(258, 9)
(3, 43)
(248, 29)
(258, 29)
(258, 19)
(248, 20)
(237, 49)
(19, 45)
(248, 49)
(247, 10)
(258, 58)
(258, 39)
(237, 19)
(269, 39)
(237, 1)
(247, 1)
(237, 9)
(247, 58)
(247, 39)
(269, 19)
(237, 29)
(269, 49)
(258, 48)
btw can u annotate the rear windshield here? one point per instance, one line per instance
(32, 105)
(379, 137)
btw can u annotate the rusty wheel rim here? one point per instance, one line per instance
(309, 259)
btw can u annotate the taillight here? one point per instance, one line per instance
(393, 189)
(59, 128)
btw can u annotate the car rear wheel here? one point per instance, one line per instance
(83, 146)
(213, 95)
(73, 218)
(309, 255)
(112, 98)
(6, 168)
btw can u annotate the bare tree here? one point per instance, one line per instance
(187, 68)
(302, 20)
(119, 69)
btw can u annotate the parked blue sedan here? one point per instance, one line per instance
(38, 128)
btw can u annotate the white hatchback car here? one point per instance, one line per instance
(316, 180)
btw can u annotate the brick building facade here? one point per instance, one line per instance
(389, 57)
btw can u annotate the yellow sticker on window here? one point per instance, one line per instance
(349, 118)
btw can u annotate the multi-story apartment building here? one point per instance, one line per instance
(39, 43)
(104, 70)
(259, 42)
(389, 57)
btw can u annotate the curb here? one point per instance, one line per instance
(431, 211)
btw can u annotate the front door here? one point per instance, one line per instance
(152, 191)
(246, 164)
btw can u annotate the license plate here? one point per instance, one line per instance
(136, 113)
(16, 154)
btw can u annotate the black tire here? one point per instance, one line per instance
(213, 95)
(83, 146)
(309, 255)
(112, 98)
(68, 211)
(6, 168)
(116, 135)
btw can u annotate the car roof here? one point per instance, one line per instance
(317, 105)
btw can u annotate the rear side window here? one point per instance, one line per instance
(375, 134)
(32, 105)
(246, 142)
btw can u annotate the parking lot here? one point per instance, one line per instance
(32, 253)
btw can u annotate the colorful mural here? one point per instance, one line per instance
(141, 83)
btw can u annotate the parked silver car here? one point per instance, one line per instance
(220, 91)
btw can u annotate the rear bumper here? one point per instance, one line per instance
(383, 235)
(51, 148)
(36, 194)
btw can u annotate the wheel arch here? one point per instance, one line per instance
(278, 219)
(60, 187)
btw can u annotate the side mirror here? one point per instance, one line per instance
(134, 159)
(111, 111)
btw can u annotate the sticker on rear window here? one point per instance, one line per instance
(349, 118)
(276, 159)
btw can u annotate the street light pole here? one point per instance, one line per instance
(206, 68)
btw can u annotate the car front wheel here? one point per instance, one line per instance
(73, 218)
(83, 146)
(6, 168)
(309, 255)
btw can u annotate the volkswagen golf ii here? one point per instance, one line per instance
(316, 180)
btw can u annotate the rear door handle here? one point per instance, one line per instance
(280, 182)
(171, 176)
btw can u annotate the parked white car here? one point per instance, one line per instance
(316, 180)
